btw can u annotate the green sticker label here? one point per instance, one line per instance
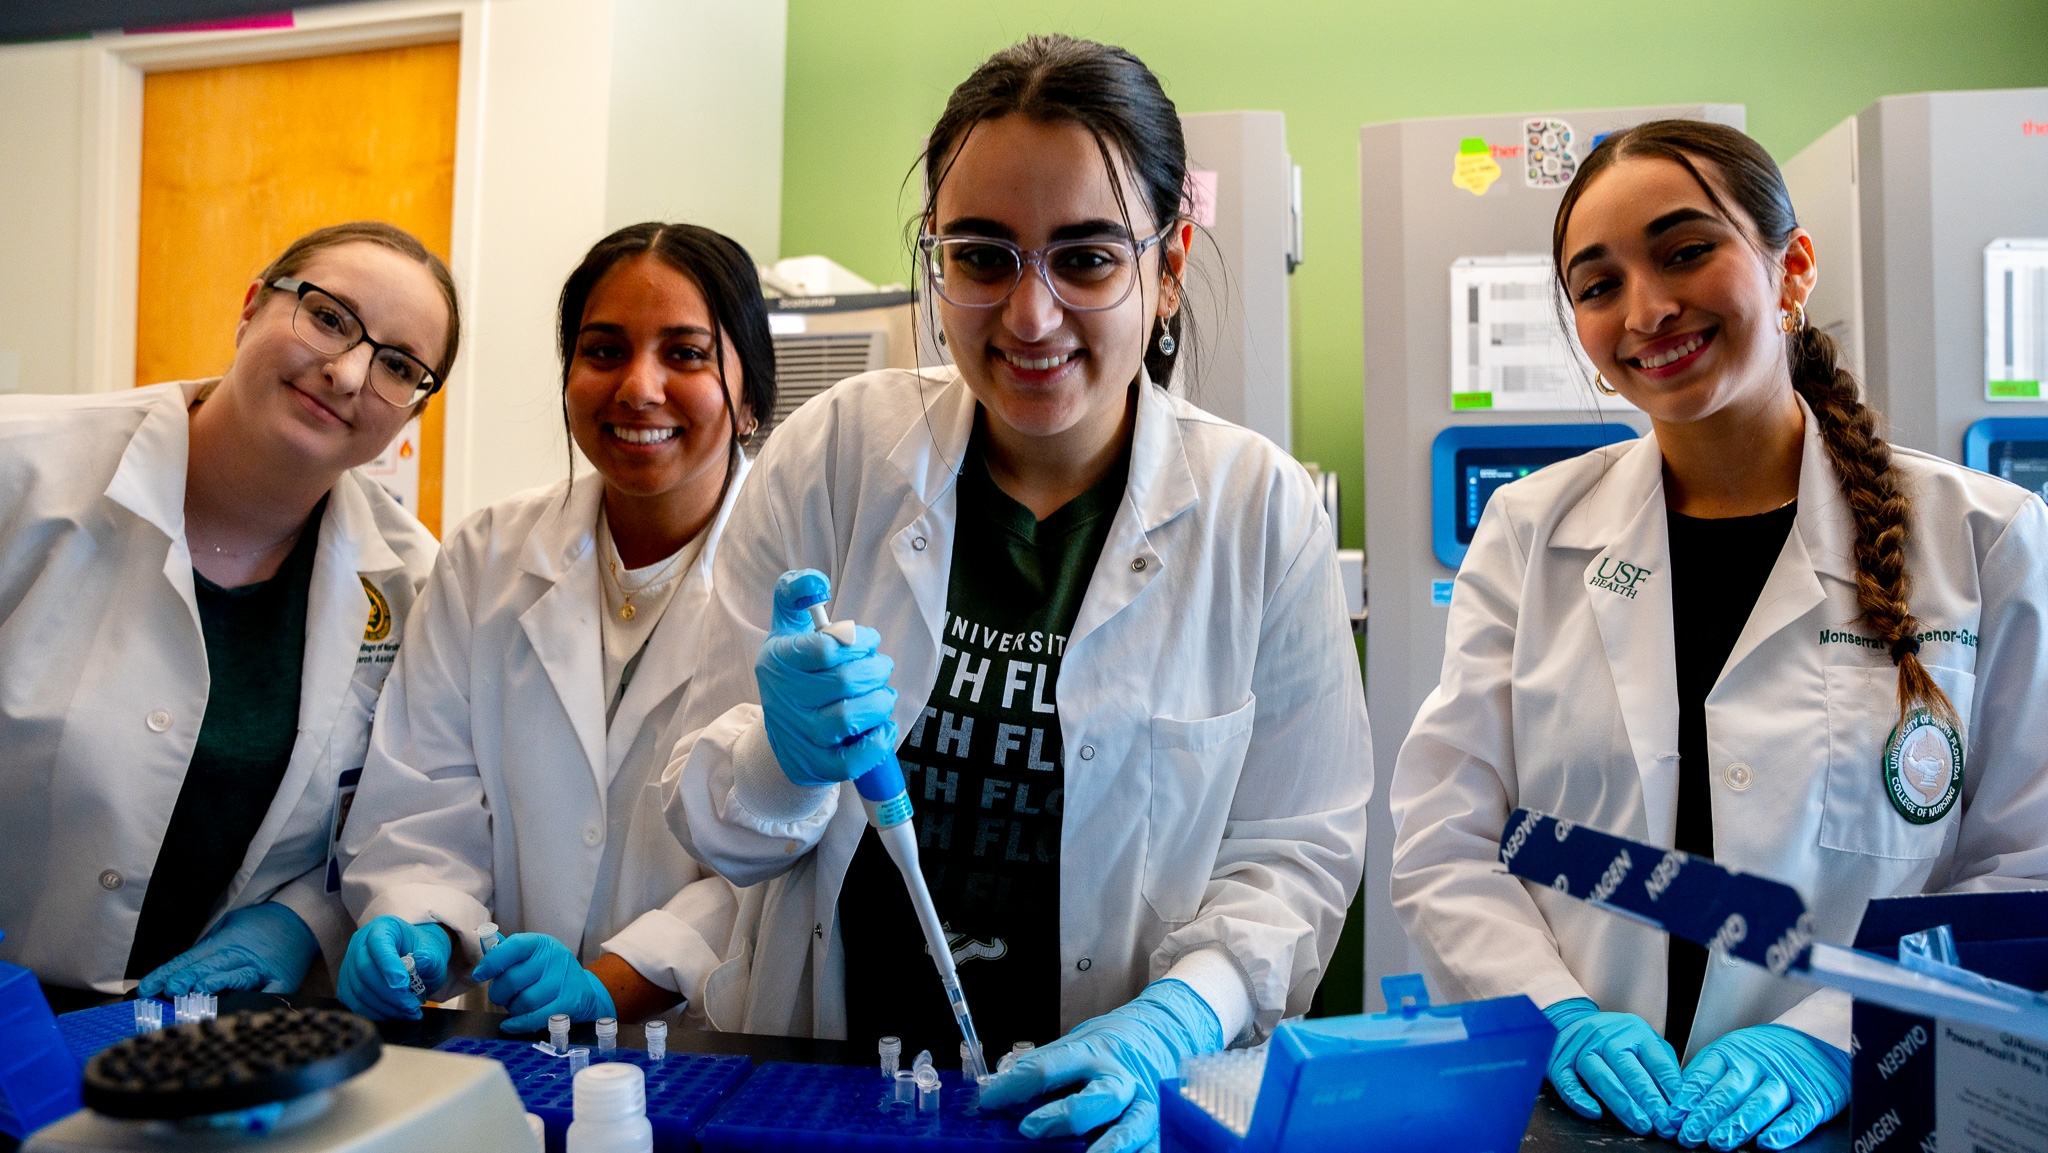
(1473, 146)
(1464, 400)
(1923, 767)
(2014, 390)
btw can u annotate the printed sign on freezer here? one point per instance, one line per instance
(2015, 319)
(1509, 349)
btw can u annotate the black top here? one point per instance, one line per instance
(1718, 569)
(255, 648)
(986, 774)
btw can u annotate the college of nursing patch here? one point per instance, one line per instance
(1923, 767)
(379, 625)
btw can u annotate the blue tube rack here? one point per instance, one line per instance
(39, 1079)
(791, 1108)
(682, 1088)
(1328, 1081)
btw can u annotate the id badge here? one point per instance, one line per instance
(344, 797)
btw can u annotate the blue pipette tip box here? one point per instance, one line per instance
(88, 1031)
(39, 1079)
(1452, 1079)
(682, 1088)
(790, 1108)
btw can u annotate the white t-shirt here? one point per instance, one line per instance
(648, 590)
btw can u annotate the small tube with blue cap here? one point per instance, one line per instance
(886, 797)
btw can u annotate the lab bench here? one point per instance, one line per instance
(1553, 1128)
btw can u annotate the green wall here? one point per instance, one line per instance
(868, 77)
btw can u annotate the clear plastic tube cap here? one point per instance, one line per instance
(607, 1026)
(614, 1091)
(889, 1046)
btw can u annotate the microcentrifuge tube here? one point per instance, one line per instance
(579, 1060)
(891, 1049)
(906, 1086)
(923, 1060)
(657, 1040)
(412, 970)
(927, 1080)
(149, 1015)
(558, 1033)
(487, 936)
(1015, 1055)
(607, 1036)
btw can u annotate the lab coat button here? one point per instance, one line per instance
(1739, 776)
(1087, 752)
(592, 835)
(1083, 964)
(918, 543)
(1138, 565)
(111, 880)
(158, 720)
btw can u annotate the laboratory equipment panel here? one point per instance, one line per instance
(2013, 448)
(1931, 230)
(1468, 462)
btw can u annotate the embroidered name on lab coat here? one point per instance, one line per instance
(1618, 576)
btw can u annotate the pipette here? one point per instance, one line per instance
(887, 800)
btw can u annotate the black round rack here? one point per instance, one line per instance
(235, 1062)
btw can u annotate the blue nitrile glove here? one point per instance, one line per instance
(1615, 1057)
(1123, 1055)
(826, 706)
(1737, 1085)
(535, 976)
(265, 947)
(373, 979)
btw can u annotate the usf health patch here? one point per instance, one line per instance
(379, 625)
(1923, 767)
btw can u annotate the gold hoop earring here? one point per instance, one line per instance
(1600, 384)
(1792, 320)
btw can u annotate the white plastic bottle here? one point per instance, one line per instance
(611, 1110)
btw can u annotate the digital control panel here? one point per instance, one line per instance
(1469, 462)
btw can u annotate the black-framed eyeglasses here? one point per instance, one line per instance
(329, 327)
(1091, 274)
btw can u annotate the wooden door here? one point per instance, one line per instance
(239, 161)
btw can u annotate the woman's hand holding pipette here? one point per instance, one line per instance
(826, 704)
(1122, 1055)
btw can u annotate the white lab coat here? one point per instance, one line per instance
(494, 791)
(103, 680)
(1562, 697)
(1217, 756)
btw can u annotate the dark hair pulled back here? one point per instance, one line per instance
(1104, 89)
(1871, 484)
(725, 274)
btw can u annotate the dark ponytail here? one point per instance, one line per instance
(1104, 89)
(1871, 484)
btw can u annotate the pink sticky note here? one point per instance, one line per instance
(1199, 198)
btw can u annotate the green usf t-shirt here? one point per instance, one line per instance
(986, 775)
(255, 647)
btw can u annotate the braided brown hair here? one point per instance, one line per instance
(1871, 484)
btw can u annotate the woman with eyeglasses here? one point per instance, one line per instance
(513, 775)
(1130, 713)
(200, 597)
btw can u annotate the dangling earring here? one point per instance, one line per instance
(1166, 345)
(942, 338)
(1792, 320)
(1600, 383)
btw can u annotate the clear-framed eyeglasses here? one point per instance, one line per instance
(329, 327)
(1090, 274)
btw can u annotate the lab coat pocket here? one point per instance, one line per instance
(1858, 815)
(1194, 766)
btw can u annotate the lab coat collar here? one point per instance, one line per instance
(672, 652)
(566, 533)
(562, 623)
(150, 480)
(1825, 524)
(1161, 484)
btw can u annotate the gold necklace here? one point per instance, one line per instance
(667, 573)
